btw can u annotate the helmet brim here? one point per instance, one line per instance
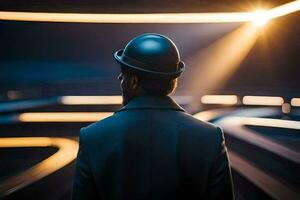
(118, 55)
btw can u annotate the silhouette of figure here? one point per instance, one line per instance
(151, 148)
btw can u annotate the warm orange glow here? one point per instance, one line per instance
(260, 17)
(219, 99)
(284, 9)
(266, 122)
(67, 151)
(91, 100)
(63, 116)
(214, 65)
(205, 115)
(108, 100)
(295, 102)
(222, 17)
(263, 100)
(211, 114)
(219, 17)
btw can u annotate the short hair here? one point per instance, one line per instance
(153, 85)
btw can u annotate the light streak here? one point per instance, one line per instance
(266, 122)
(295, 102)
(263, 100)
(91, 100)
(67, 150)
(108, 100)
(235, 126)
(213, 17)
(222, 17)
(219, 99)
(260, 17)
(63, 116)
(284, 9)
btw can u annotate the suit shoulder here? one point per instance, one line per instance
(193, 121)
(100, 127)
(201, 129)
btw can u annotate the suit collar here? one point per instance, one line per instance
(152, 102)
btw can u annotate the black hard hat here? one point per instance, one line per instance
(151, 54)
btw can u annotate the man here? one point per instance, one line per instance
(151, 148)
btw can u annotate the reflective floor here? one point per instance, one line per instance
(38, 147)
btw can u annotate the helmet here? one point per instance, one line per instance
(151, 54)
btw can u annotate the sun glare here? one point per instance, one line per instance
(260, 18)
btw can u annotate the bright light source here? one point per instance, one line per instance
(284, 9)
(63, 116)
(263, 100)
(219, 99)
(221, 17)
(108, 100)
(218, 17)
(260, 17)
(91, 100)
(295, 102)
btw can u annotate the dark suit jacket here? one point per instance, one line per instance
(152, 149)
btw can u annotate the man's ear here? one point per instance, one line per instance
(134, 81)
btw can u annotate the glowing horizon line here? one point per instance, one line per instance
(213, 17)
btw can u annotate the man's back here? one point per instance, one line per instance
(152, 149)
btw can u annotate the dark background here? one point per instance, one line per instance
(76, 58)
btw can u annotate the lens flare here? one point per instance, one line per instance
(260, 18)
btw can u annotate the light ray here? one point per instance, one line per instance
(221, 17)
(284, 9)
(217, 17)
(214, 65)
